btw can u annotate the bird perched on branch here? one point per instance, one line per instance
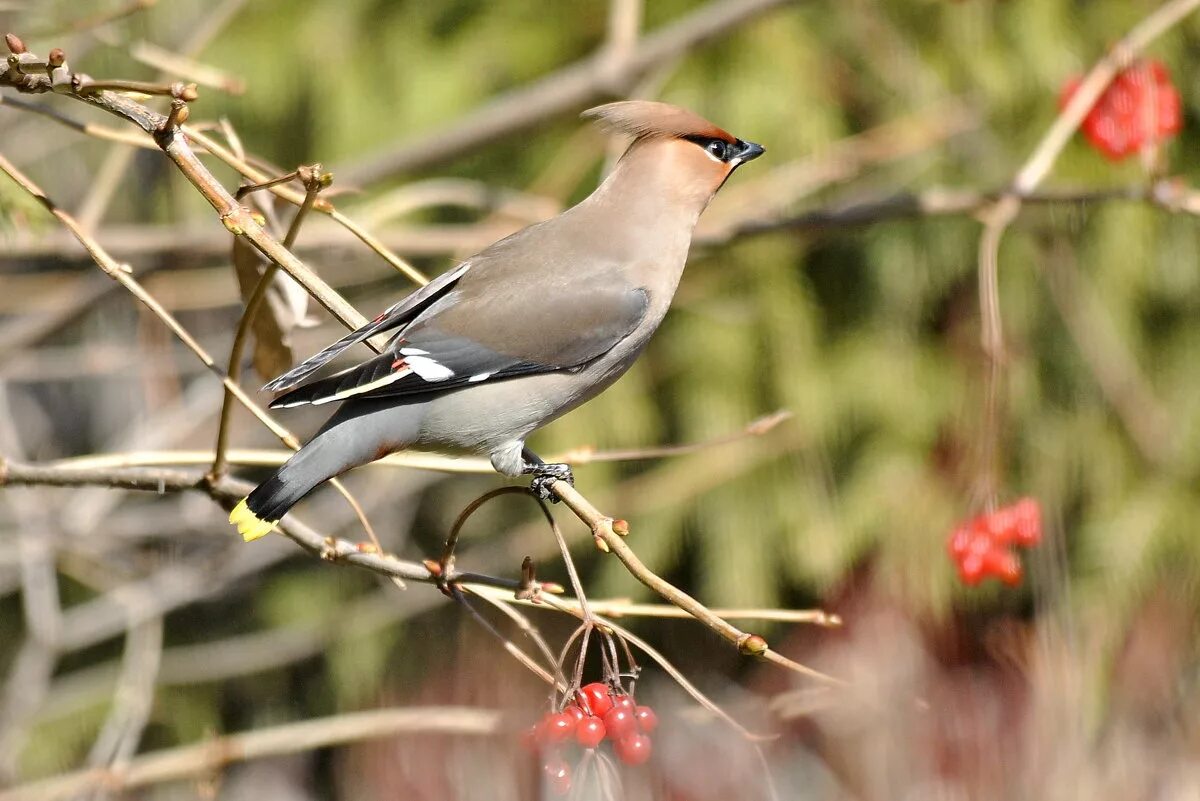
(522, 332)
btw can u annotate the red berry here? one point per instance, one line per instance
(558, 775)
(1138, 108)
(574, 711)
(590, 732)
(623, 702)
(557, 728)
(633, 750)
(620, 723)
(647, 720)
(595, 697)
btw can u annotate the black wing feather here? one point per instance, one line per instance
(397, 315)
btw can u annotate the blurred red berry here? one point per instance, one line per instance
(970, 569)
(558, 775)
(619, 723)
(960, 542)
(590, 732)
(980, 547)
(574, 711)
(647, 720)
(1017, 524)
(1004, 565)
(557, 728)
(596, 698)
(633, 749)
(1139, 108)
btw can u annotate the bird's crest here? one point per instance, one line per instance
(647, 118)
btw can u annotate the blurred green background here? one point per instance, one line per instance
(867, 334)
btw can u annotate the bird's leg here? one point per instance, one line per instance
(544, 475)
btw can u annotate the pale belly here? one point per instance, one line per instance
(496, 417)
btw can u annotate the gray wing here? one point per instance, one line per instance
(471, 335)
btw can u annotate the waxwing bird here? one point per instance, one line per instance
(523, 331)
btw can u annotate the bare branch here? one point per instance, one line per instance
(184, 762)
(609, 535)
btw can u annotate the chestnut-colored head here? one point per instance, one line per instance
(684, 154)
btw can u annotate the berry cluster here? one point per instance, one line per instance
(1138, 109)
(982, 547)
(596, 715)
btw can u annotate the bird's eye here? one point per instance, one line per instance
(717, 148)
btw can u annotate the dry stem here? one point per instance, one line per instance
(189, 761)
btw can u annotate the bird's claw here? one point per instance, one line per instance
(544, 477)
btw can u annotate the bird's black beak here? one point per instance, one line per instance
(748, 151)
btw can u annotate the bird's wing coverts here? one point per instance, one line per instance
(401, 313)
(474, 334)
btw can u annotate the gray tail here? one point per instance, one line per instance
(298, 476)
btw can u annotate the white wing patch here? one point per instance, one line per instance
(475, 379)
(428, 369)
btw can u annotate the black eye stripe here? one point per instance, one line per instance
(718, 148)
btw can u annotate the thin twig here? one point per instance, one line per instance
(675, 673)
(504, 604)
(604, 530)
(618, 608)
(513, 650)
(227, 492)
(133, 698)
(120, 273)
(174, 764)
(417, 460)
(280, 189)
(315, 181)
(174, 143)
(166, 61)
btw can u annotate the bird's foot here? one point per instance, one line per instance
(544, 476)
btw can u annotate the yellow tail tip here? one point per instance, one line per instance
(248, 524)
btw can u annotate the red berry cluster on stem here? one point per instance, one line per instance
(1140, 108)
(597, 714)
(983, 547)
